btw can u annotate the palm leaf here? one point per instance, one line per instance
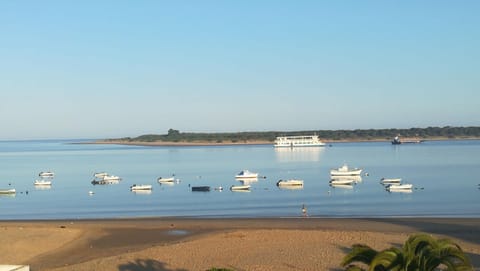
(359, 253)
(420, 252)
(389, 259)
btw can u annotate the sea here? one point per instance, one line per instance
(444, 175)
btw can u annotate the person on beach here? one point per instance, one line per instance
(304, 211)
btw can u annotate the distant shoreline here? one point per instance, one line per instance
(255, 142)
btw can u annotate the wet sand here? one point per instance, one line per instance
(199, 244)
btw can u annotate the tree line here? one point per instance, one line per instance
(325, 135)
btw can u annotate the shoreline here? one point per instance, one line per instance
(198, 244)
(258, 142)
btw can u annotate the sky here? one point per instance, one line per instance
(108, 69)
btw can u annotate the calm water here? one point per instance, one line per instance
(443, 174)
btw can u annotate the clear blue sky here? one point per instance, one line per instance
(96, 69)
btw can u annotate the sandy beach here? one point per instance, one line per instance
(200, 244)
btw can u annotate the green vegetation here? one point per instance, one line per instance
(326, 135)
(420, 252)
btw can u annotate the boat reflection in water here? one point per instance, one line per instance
(247, 181)
(342, 186)
(345, 179)
(301, 154)
(142, 192)
(42, 187)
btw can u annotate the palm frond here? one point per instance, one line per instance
(359, 253)
(389, 259)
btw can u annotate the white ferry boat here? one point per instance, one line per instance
(298, 141)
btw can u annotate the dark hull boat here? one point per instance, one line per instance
(200, 188)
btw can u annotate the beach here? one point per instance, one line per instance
(302, 243)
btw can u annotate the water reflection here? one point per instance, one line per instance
(305, 154)
(346, 179)
(43, 187)
(247, 181)
(342, 186)
(142, 192)
(291, 187)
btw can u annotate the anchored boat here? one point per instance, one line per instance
(345, 171)
(240, 187)
(298, 141)
(137, 187)
(245, 174)
(291, 182)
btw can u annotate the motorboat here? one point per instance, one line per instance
(291, 182)
(100, 175)
(342, 181)
(200, 188)
(115, 181)
(111, 178)
(390, 181)
(405, 191)
(42, 182)
(396, 141)
(240, 187)
(245, 174)
(136, 187)
(345, 171)
(46, 174)
(399, 187)
(166, 180)
(8, 191)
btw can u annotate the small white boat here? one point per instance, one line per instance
(342, 181)
(102, 182)
(42, 182)
(291, 182)
(405, 186)
(166, 180)
(239, 187)
(345, 171)
(246, 174)
(8, 191)
(111, 178)
(390, 181)
(137, 187)
(405, 191)
(100, 175)
(46, 174)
